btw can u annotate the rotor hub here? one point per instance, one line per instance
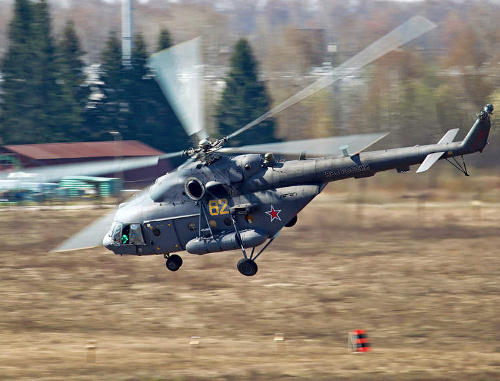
(207, 150)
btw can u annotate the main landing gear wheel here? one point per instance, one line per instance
(247, 267)
(174, 262)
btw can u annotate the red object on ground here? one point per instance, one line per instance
(360, 340)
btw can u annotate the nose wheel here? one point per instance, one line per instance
(174, 262)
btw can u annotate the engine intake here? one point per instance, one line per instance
(194, 188)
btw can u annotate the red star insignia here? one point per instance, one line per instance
(274, 214)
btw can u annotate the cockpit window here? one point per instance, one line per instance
(126, 234)
(115, 232)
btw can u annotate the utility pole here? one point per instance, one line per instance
(127, 31)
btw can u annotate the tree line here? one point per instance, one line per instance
(46, 95)
(436, 83)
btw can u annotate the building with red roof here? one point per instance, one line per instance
(34, 155)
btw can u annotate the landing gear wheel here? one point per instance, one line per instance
(247, 267)
(174, 262)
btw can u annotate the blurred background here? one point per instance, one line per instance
(438, 82)
(65, 75)
(411, 259)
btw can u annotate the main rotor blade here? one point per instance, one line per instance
(89, 237)
(54, 173)
(332, 146)
(93, 234)
(179, 72)
(406, 32)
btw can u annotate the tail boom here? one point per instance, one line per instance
(366, 164)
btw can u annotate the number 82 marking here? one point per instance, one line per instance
(218, 207)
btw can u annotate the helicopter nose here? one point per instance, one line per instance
(107, 241)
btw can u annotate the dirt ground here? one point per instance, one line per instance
(420, 278)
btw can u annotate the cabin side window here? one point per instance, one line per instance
(135, 234)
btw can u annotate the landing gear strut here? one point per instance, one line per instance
(246, 265)
(174, 262)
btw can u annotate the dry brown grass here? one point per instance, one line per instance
(423, 281)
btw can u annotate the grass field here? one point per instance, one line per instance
(421, 278)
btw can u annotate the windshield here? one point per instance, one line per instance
(115, 232)
(126, 234)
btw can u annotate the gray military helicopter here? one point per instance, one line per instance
(240, 198)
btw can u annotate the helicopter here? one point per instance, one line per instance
(240, 198)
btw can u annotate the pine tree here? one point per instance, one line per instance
(136, 91)
(34, 107)
(151, 117)
(50, 111)
(72, 78)
(17, 69)
(110, 113)
(164, 40)
(244, 99)
(132, 101)
(165, 127)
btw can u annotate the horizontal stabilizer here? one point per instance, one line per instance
(449, 136)
(429, 161)
(433, 157)
(333, 146)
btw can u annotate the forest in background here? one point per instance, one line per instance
(417, 93)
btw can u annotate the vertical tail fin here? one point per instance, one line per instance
(477, 138)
